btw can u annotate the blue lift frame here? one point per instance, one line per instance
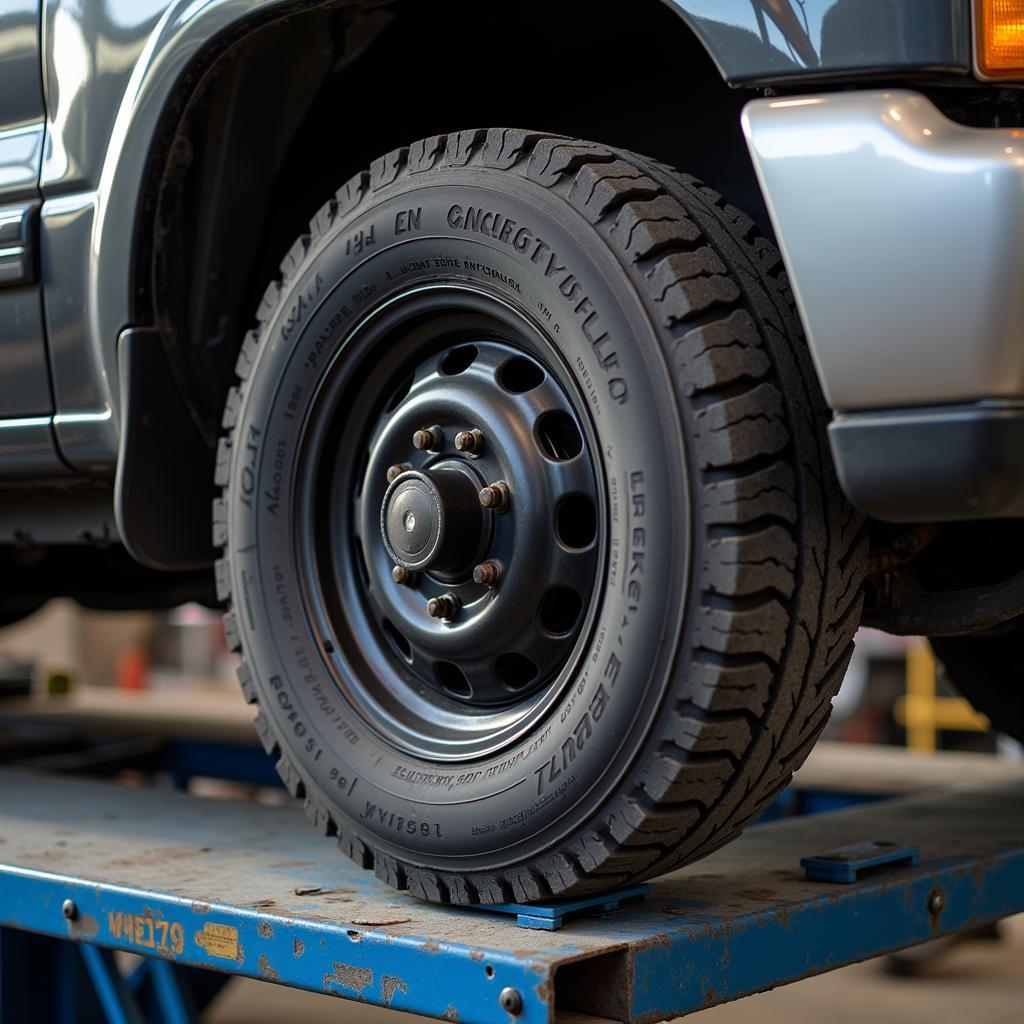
(246, 889)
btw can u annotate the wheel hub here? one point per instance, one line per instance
(477, 523)
(432, 519)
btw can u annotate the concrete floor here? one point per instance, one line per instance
(978, 982)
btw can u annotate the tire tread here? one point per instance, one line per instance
(783, 558)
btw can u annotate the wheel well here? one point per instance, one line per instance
(296, 107)
(286, 114)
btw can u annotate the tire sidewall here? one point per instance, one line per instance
(522, 800)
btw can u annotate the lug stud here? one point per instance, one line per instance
(403, 576)
(444, 607)
(495, 496)
(470, 442)
(428, 439)
(488, 574)
(397, 470)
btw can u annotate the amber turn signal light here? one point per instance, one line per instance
(1000, 38)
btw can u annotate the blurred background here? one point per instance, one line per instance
(149, 696)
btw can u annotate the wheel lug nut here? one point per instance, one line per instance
(397, 470)
(495, 496)
(429, 439)
(471, 442)
(444, 607)
(487, 574)
(403, 576)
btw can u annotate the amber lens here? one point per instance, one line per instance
(1001, 38)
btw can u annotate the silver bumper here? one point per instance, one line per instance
(903, 234)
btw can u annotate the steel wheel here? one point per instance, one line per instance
(455, 557)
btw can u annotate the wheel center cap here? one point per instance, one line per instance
(414, 516)
(432, 519)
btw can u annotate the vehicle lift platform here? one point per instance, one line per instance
(244, 888)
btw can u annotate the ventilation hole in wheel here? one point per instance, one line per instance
(453, 679)
(558, 436)
(399, 393)
(576, 521)
(560, 610)
(458, 360)
(397, 641)
(515, 670)
(520, 375)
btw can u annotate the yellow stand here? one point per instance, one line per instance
(922, 712)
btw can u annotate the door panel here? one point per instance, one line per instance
(24, 379)
(21, 99)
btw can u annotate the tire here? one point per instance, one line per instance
(700, 667)
(989, 672)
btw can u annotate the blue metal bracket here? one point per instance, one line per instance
(117, 1001)
(119, 994)
(848, 863)
(551, 916)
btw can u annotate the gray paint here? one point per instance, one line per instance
(24, 388)
(82, 379)
(774, 40)
(97, 56)
(17, 248)
(21, 154)
(901, 233)
(27, 450)
(24, 380)
(21, 98)
(110, 67)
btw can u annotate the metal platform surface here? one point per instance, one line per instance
(253, 890)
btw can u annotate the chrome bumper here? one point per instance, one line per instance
(903, 235)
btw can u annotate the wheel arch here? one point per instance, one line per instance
(239, 159)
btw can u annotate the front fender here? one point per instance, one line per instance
(111, 70)
(763, 41)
